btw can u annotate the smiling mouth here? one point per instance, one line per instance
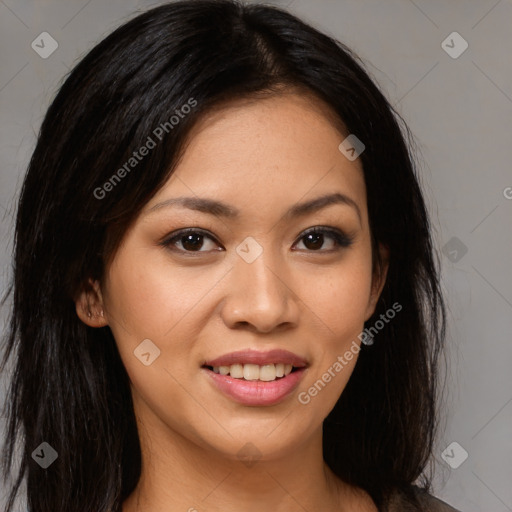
(254, 372)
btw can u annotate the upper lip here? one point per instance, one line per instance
(260, 358)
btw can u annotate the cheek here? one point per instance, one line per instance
(150, 298)
(340, 298)
(166, 304)
(341, 301)
(152, 302)
(341, 304)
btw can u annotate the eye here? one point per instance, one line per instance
(190, 240)
(315, 237)
(194, 240)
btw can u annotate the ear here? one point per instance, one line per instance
(378, 281)
(89, 305)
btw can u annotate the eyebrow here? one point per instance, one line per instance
(214, 207)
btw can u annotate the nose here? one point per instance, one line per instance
(260, 296)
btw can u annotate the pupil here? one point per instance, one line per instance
(316, 242)
(192, 245)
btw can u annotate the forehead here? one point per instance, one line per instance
(266, 152)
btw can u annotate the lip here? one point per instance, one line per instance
(256, 392)
(260, 358)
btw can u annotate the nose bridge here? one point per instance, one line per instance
(262, 274)
(258, 294)
(258, 269)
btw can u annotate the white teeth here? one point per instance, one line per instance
(268, 372)
(236, 371)
(265, 373)
(251, 372)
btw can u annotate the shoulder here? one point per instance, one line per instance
(434, 504)
(417, 500)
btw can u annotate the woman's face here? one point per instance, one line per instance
(247, 278)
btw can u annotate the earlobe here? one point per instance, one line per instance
(378, 281)
(89, 305)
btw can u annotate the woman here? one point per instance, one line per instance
(225, 294)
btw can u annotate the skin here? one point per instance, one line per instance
(261, 157)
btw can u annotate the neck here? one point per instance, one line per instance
(178, 474)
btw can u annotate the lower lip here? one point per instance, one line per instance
(256, 392)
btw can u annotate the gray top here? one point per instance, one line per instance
(429, 503)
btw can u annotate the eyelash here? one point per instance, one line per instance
(342, 240)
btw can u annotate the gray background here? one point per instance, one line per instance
(460, 110)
